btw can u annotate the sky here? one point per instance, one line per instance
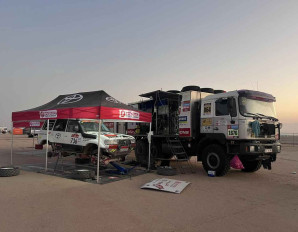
(127, 48)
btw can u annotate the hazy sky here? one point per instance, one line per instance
(127, 48)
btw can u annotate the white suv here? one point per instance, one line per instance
(79, 137)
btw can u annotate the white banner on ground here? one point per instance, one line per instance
(167, 185)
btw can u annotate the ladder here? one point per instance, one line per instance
(179, 153)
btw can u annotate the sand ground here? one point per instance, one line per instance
(261, 201)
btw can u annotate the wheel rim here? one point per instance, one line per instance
(213, 160)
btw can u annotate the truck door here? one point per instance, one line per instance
(223, 122)
(207, 114)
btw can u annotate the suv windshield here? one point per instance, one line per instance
(249, 107)
(92, 126)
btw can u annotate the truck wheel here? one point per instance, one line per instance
(251, 166)
(215, 159)
(141, 153)
(9, 171)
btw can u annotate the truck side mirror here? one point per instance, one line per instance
(232, 107)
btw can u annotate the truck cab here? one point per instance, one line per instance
(242, 122)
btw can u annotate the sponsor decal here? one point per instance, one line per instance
(70, 99)
(206, 121)
(58, 136)
(221, 123)
(48, 114)
(75, 138)
(233, 131)
(186, 106)
(113, 100)
(34, 124)
(207, 109)
(184, 132)
(129, 114)
(182, 119)
(130, 131)
(109, 125)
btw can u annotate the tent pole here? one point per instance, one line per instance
(47, 148)
(149, 152)
(33, 135)
(98, 150)
(11, 149)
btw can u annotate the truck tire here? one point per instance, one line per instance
(141, 153)
(9, 171)
(215, 159)
(207, 90)
(251, 166)
(82, 174)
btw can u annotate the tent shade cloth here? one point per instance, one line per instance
(87, 105)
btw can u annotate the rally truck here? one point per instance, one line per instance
(212, 125)
(79, 137)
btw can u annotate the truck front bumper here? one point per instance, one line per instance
(255, 148)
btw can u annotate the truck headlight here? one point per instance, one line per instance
(251, 148)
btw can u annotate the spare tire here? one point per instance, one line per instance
(9, 171)
(207, 90)
(82, 174)
(219, 91)
(190, 87)
(173, 91)
(166, 171)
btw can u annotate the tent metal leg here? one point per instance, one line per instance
(149, 152)
(47, 147)
(11, 148)
(98, 150)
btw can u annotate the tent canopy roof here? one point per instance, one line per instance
(89, 105)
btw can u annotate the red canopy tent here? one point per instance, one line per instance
(86, 105)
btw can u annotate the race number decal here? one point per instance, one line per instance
(75, 138)
(233, 131)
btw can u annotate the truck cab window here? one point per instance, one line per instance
(60, 125)
(221, 107)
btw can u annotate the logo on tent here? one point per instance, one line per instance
(71, 99)
(48, 114)
(113, 100)
(129, 114)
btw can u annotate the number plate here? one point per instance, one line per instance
(268, 150)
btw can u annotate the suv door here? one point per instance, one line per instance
(58, 133)
(73, 135)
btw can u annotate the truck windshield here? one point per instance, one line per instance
(250, 107)
(92, 126)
